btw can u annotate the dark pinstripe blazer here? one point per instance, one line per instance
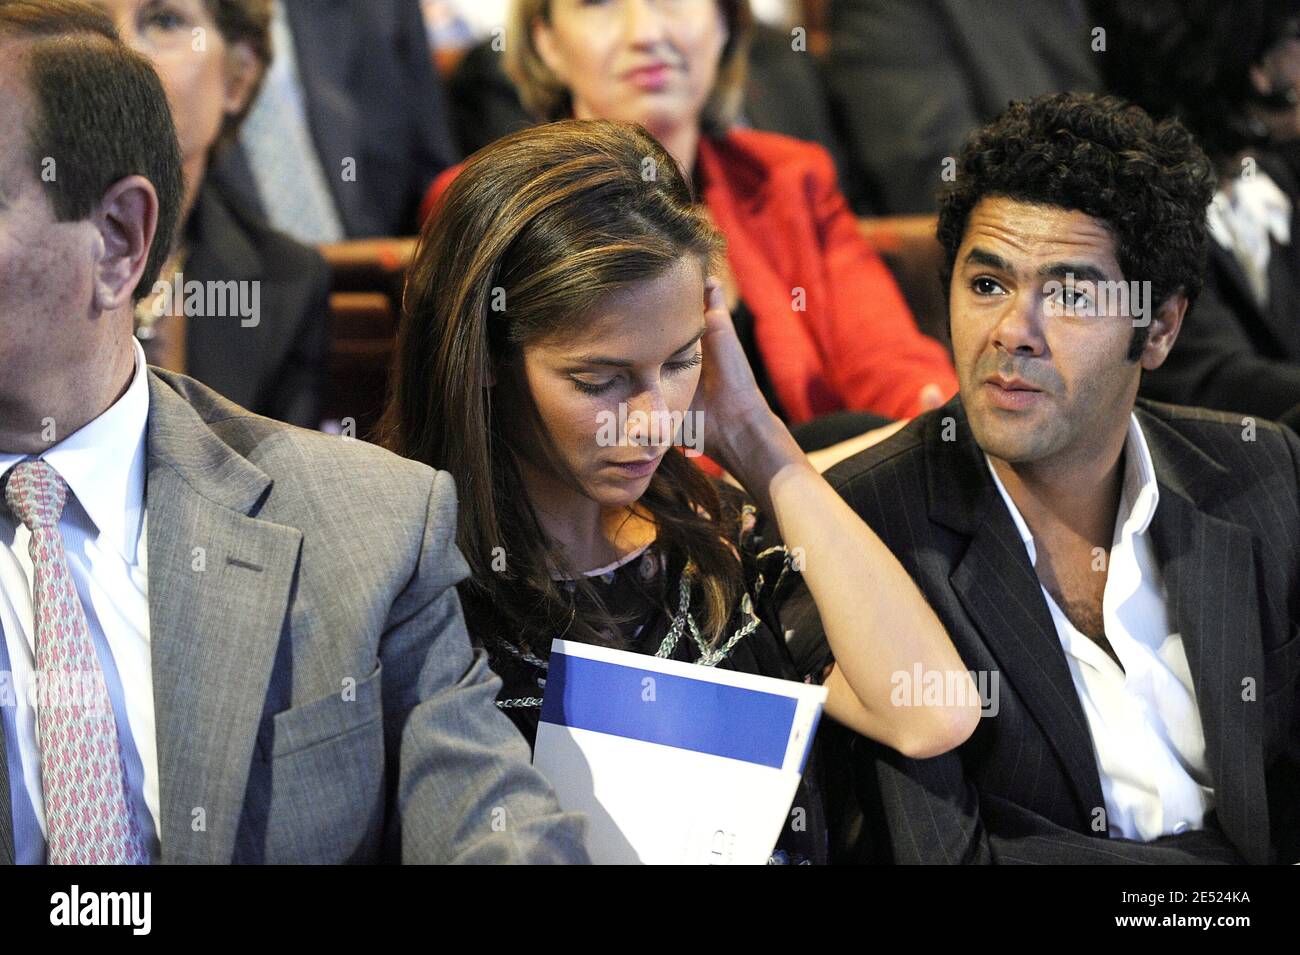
(1025, 786)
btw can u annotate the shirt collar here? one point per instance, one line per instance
(1139, 493)
(1249, 209)
(103, 464)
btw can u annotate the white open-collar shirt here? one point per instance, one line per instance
(1146, 728)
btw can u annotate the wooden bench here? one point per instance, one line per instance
(369, 275)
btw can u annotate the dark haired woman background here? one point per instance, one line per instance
(557, 288)
(211, 56)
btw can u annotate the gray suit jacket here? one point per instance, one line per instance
(315, 693)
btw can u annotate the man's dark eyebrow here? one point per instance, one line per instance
(987, 259)
(623, 362)
(1081, 272)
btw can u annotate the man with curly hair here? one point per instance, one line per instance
(1122, 576)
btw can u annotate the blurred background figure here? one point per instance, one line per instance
(1230, 73)
(821, 319)
(350, 126)
(456, 25)
(910, 78)
(276, 366)
(785, 90)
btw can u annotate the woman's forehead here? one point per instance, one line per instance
(645, 321)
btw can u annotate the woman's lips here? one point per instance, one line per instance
(637, 469)
(650, 78)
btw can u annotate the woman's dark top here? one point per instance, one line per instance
(761, 642)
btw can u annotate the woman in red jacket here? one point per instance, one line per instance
(821, 318)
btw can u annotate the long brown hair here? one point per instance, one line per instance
(524, 244)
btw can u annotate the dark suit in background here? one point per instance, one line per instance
(1292, 419)
(1025, 787)
(1233, 353)
(910, 79)
(276, 368)
(372, 95)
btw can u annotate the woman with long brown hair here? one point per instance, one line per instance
(559, 306)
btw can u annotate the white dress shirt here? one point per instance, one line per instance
(1145, 724)
(1246, 217)
(104, 535)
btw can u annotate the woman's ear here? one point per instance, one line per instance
(244, 70)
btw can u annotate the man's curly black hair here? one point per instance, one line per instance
(1148, 181)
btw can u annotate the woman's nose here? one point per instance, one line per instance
(648, 420)
(643, 21)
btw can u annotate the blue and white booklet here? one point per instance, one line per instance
(673, 762)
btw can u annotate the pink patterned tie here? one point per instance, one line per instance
(87, 807)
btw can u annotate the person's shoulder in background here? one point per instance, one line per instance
(484, 103)
(283, 257)
(753, 160)
(277, 365)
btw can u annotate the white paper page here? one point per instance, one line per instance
(672, 762)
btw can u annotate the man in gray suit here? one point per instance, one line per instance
(224, 639)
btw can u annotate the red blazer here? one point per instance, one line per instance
(854, 344)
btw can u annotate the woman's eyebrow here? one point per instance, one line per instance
(623, 362)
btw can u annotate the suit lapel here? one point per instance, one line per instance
(326, 36)
(1207, 567)
(1279, 317)
(219, 586)
(1000, 591)
(1275, 319)
(1227, 263)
